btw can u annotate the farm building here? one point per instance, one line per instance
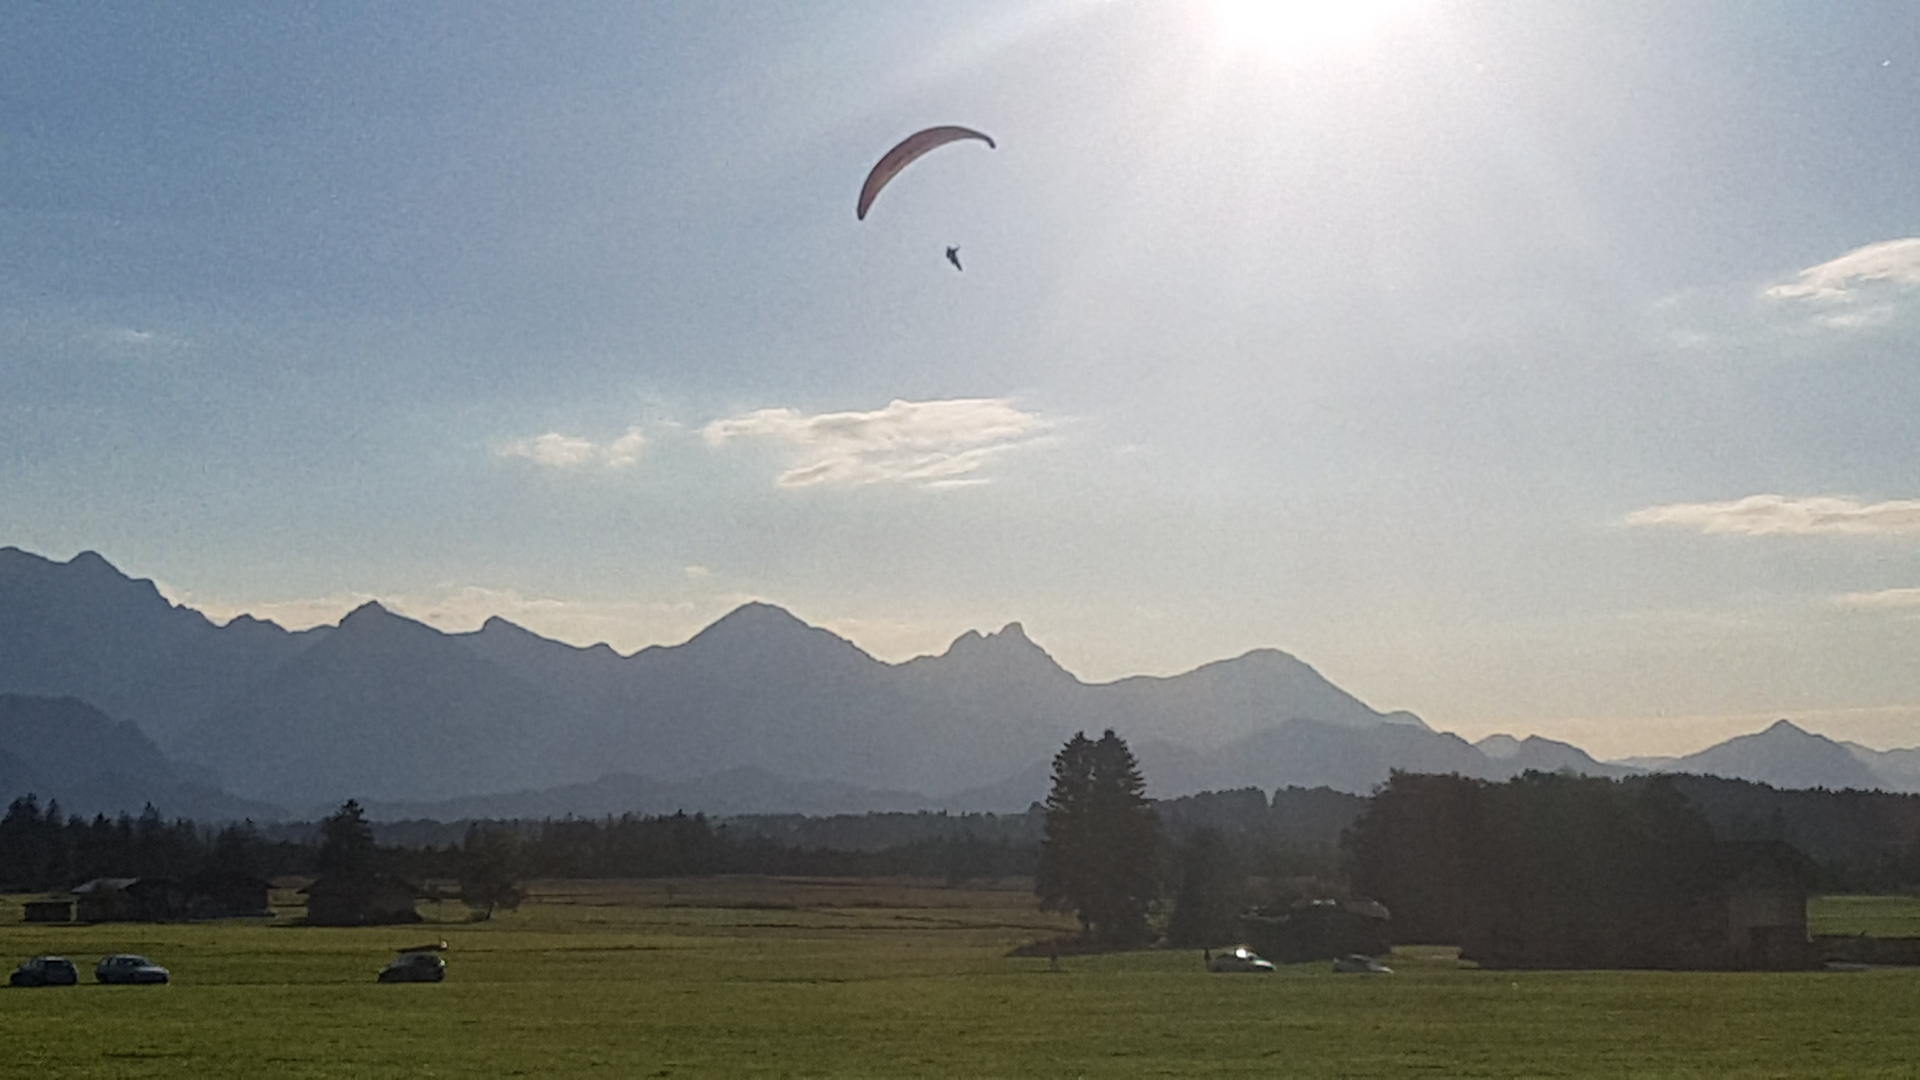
(1319, 930)
(367, 900)
(205, 895)
(107, 899)
(47, 911)
(1765, 900)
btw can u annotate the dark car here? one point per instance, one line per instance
(126, 968)
(45, 971)
(415, 967)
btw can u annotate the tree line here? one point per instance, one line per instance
(42, 849)
(1616, 872)
(1435, 849)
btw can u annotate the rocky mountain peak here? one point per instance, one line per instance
(368, 614)
(1007, 649)
(1009, 638)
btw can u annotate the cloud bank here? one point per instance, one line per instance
(1779, 515)
(556, 451)
(917, 443)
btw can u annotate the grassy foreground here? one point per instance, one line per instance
(747, 977)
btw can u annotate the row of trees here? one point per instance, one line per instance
(688, 845)
(43, 849)
(1560, 870)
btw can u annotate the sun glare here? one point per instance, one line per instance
(1296, 27)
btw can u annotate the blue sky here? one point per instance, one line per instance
(1537, 368)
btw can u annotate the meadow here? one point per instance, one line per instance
(785, 977)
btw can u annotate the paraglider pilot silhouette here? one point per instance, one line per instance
(909, 150)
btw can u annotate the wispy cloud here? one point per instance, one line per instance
(921, 443)
(556, 451)
(1779, 515)
(1858, 289)
(1882, 600)
(128, 343)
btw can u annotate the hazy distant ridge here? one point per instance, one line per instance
(390, 709)
(759, 712)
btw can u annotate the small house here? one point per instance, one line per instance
(47, 911)
(1320, 930)
(1765, 905)
(105, 899)
(364, 900)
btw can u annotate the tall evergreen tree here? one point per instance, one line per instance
(489, 869)
(1210, 893)
(346, 842)
(1097, 858)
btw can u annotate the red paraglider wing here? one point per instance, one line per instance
(905, 154)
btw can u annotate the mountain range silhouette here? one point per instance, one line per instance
(759, 712)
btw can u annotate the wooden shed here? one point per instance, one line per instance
(47, 911)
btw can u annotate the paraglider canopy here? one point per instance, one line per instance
(906, 153)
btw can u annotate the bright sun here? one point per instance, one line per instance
(1294, 27)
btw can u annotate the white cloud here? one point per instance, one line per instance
(923, 443)
(557, 451)
(1853, 291)
(1778, 515)
(624, 452)
(1883, 600)
(1896, 261)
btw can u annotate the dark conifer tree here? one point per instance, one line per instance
(346, 842)
(1211, 891)
(490, 869)
(238, 849)
(1097, 858)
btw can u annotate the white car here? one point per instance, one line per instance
(1239, 960)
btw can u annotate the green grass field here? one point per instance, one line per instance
(747, 977)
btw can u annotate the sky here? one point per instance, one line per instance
(1539, 368)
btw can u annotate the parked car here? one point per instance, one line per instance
(45, 971)
(1357, 964)
(127, 969)
(1241, 960)
(415, 967)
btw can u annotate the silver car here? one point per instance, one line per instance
(128, 969)
(415, 967)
